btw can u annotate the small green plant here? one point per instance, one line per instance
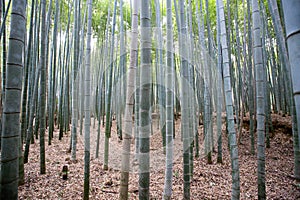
(176, 174)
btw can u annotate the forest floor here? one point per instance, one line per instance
(210, 181)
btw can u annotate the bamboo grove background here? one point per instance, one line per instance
(73, 64)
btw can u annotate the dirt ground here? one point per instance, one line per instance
(210, 181)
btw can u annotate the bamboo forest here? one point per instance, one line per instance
(150, 99)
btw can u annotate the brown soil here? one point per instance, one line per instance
(210, 181)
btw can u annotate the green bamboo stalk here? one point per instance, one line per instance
(75, 79)
(87, 101)
(291, 13)
(10, 138)
(235, 190)
(130, 89)
(145, 96)
(184, 103)
(169, 106)
(42, 93)
(260, 98)
(250, 82)
(220, 95)
(52, 81)
(109, 93)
